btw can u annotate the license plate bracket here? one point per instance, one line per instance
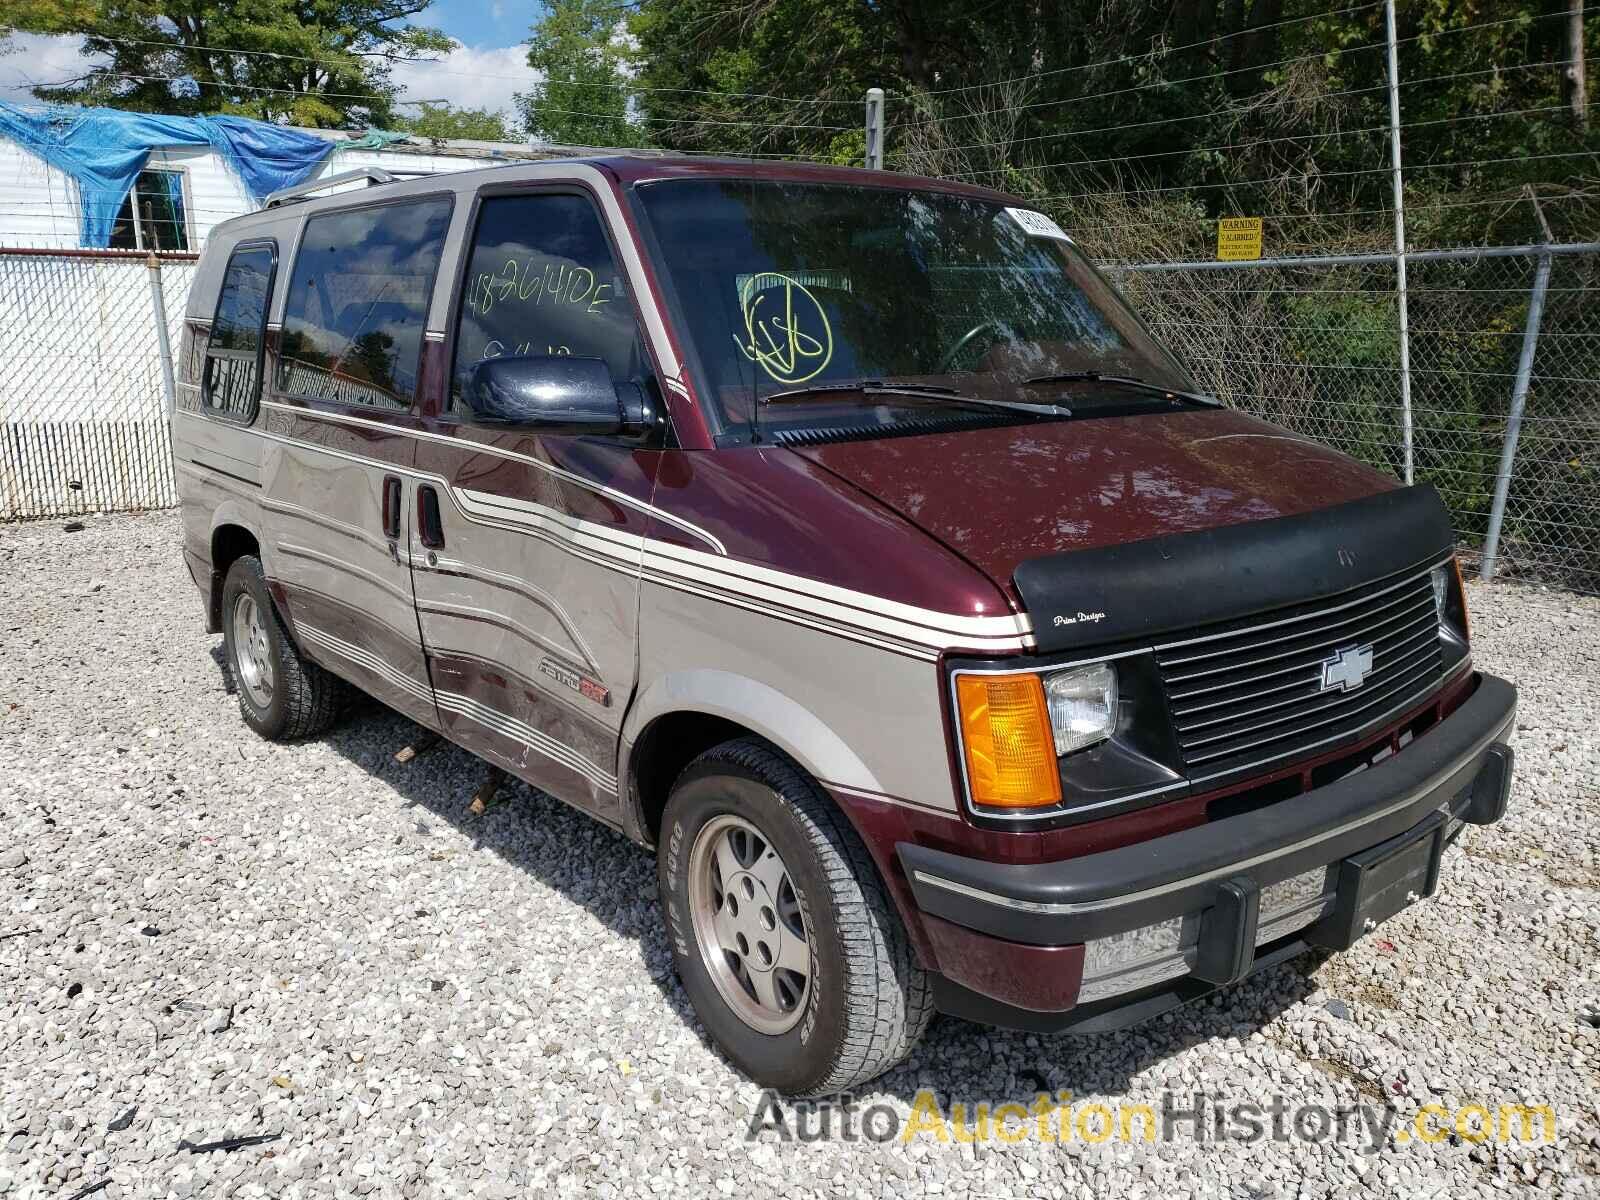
(1377, 883)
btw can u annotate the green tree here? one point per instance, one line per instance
(319, 63)
(787, 76)
(1188, 109)
(446, 122)
(39, 16)
(584, 56)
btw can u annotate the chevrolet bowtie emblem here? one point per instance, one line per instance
(1347, 669)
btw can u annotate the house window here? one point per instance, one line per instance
(154, 216)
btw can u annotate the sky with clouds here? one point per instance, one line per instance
(488, 66)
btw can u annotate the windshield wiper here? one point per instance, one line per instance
(930, 392)
(1129, 381)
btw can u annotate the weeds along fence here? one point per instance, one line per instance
(1505, 378)
(1394, 168)
(83, 405)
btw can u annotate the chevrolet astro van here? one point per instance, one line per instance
(847, 540)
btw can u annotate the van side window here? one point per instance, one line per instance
(357, 302)
(541, 280)
(231, 377)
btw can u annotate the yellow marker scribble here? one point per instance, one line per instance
(779, 340)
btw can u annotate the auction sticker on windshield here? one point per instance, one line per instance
(1036, 224)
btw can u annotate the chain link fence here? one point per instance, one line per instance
(1315, 346)
(83, 417)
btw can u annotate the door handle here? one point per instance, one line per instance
(430, 530)
(391, 507)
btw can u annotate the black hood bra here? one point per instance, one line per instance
(1142, 590)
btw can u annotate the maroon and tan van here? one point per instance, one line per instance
(847, 540)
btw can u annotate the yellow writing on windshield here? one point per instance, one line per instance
(786, 330)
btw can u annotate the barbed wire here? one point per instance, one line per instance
(1275, 179)
(1381, 211)
(1211, 116)
(646, 89)
(1154, 51)
(1146, 86)
(97, 73)
(1269, 141)
(1255, 68)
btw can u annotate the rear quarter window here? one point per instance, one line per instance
(357, 303)
(231, 373)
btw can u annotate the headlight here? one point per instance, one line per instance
(1440, 578)
(1069, 743)
(1450, 603)
(1450, 610)
(1083, 705)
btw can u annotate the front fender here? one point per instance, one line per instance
(760, 708)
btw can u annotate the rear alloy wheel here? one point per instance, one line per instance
(253, 655)
(281, 695)
(783, 935)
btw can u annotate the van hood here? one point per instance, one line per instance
(1001, 497)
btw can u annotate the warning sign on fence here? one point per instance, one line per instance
(1238, 238)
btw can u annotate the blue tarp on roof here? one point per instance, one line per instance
(104, 149)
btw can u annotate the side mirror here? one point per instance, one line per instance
(553, 393)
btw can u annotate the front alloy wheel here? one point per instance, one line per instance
(749, 924)
(786, 942)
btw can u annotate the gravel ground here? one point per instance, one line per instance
(204, 936)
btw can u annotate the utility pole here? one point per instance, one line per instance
(1400, 243)
(1577, 87)
(1519, 395)
(875, 129)
(158, 316)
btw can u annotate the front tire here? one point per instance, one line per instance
(281, 695)
(783, 935)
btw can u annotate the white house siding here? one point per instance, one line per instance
(39, 203)
(83, 424)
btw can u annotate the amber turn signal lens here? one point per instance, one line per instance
(1461, 590)
(1005, 733)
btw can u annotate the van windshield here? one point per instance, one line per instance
(792, 293)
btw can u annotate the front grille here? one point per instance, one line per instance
(1250, 693)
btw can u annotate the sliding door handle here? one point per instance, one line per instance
(430, 530)
(391, 507)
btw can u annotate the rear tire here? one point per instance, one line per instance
(806, 980)
(281, 695)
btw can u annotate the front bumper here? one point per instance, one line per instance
(1209, 881)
